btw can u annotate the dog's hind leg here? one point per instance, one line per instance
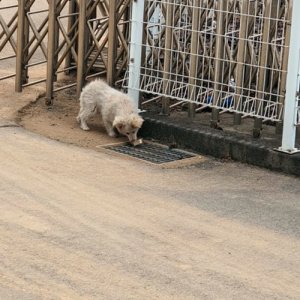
(84, 114)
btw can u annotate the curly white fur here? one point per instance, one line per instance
(117, 109)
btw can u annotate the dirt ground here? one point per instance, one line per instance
(58, 122)
(79, 224)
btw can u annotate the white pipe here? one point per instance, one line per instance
(292, 85)
(136, 42)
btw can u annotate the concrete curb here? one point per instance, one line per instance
(220, 144)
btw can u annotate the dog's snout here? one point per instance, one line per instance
(132, 137)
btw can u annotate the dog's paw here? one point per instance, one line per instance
(112, 134)
(84, 128)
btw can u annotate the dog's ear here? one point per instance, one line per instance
(119, 123)
(136, 121)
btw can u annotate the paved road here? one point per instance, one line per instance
(81, 224)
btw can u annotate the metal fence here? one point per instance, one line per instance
(8, 28)
(61, 36)
(229, 55)
(225, 54)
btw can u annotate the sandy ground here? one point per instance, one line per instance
(80, 224)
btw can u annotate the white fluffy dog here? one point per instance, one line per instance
(117, 110)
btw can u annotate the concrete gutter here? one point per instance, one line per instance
(220, 144)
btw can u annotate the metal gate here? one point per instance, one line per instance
(89, 37)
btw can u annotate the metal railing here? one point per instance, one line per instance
(230, 56)
(89, 37)
(8, 28)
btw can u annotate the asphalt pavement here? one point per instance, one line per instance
(84, 224)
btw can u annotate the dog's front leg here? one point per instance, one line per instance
(109, 128)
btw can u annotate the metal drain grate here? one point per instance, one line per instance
(152, 152)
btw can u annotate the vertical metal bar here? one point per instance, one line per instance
(71, 21)
(25, 75)
(239, 77)
(81, 63)
(219, 57)
(194, 57)
(270, 12)
(112, 42)
(51, 52)
(136, 45)
(292, 85)
(285, 59)
(56, 44)
(92, 15)
(20, 46)
(168, 56)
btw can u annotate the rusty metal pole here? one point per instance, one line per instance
(168, 56)
(81, 63)
(71, 21)
(269, 15)
(51, 52)
(194, 58)
(219, 59)
(112, 43)
(20, 46)
(56, 35)
(25, 74)
(240, 68)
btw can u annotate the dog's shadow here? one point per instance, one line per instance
(96, 126)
